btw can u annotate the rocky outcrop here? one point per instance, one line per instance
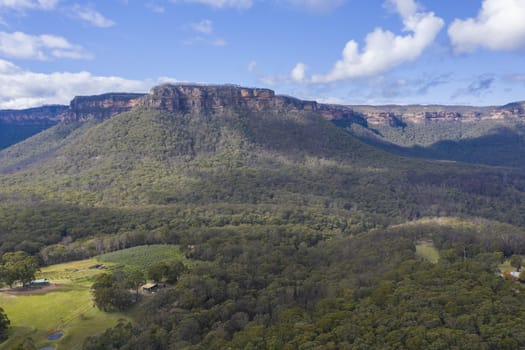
(217, 98)
(46, 115)
(398, 116)
(194, 98)
(100, 107)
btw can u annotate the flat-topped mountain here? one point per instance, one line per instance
(44, 115)
(17, 125)
(209, 98)
(183, 146)
(292, 224)
(99, 107)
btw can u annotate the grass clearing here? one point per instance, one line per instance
(143, 257)
(67, 308)
(66, 305)
(427, 250)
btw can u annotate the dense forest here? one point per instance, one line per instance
(271, 288)
(298, 234)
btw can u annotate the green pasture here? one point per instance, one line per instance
(66, 306)
(142, 257)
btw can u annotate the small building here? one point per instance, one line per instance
(39, 283)
(150, 287)
(98, 266)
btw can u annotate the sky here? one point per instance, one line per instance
(467, 52)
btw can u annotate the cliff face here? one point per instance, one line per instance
(100, 107)
(400, 115)
(46, 115)
(208, 98)
(192, 98)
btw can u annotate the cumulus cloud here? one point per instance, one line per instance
(317, 5)
(41, 47)
(92, 16)
(28, 4)
(299, 72)
(241, 4)
(500, 25)
(383, 49)
(30, 89)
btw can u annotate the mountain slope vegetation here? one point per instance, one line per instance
(234, 166)
(299, 234)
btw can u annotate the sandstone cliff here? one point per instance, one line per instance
(400, 115)
(208, 98)
(46, 115)
(100, 107)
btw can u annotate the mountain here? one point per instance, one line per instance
(189, 156)
(17, 125)
(298, 234)
(485, 135)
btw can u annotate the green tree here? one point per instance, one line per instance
(158, 271)
(4, 325)
(174, 271)
(135, 280)
(110, 292)
(18, 267)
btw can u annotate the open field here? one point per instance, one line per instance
(426, 250)
(66, 307)
(142, 257)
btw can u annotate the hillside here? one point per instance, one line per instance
(18, 125)
(189, 156)
(485, 135)
(297, 233)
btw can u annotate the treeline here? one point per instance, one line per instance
(278, 289)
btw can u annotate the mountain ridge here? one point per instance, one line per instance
(427, 131)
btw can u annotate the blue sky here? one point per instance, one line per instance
(341, 51)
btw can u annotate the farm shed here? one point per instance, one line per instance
(150, 287)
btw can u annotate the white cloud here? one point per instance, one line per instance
(251, 66)
(41, 47)
(317, 5)
(92, 16)
(241, 4)
(205, 26)
(500, 25)
(30, 89)
(205, 35)
(299, 72)
(29, 4)
(383, 49)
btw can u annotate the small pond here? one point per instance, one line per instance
(55, 336)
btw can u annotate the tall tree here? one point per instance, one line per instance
(135, 280)
(4, 325)
(18, 267)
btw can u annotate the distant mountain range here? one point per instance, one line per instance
(485, 135)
